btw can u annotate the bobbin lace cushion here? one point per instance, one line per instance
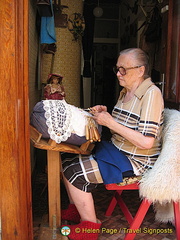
(60, 121)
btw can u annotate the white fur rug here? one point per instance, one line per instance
(161, 184)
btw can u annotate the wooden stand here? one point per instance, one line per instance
(54, 169)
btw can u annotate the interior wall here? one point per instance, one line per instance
(67, 61)
(34, 92)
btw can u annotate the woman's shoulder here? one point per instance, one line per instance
(154, 96)
(154, 88)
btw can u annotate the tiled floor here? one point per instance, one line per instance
(111, 224)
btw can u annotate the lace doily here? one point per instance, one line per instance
(63, 119)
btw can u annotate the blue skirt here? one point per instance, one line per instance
(112, 163)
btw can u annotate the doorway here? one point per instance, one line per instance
(104, 81)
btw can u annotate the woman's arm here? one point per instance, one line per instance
(135, 137)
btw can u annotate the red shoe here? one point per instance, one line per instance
(83, 231)
(71, 214)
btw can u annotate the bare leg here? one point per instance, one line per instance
(83, 201)
(67, 189)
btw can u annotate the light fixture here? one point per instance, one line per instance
(98, 11)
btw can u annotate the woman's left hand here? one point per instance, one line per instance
(103, 118)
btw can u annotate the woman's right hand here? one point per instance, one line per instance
(99, 108)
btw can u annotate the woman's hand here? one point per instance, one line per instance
(103, 118)
(98, 108)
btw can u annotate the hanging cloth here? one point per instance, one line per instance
(48, 34)
(44, 8)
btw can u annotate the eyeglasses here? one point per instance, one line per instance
(123, 70)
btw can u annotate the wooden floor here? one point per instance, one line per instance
(111, 224)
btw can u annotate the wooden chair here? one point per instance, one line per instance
(54, 169)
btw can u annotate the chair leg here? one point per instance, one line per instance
(118, 199)
(135, 225)
(177, 218)
(124, 208)
(112, 204)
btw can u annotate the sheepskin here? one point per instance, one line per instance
(161, 184)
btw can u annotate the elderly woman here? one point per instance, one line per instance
(135, 124)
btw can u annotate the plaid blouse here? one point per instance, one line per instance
(143, 113)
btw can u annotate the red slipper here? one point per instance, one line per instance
(71, 214)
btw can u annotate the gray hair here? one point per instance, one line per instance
(141, 58)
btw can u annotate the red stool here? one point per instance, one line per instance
(135, 222)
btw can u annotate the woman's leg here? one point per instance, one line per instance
(81, 176)
(83, 201)
(67, 189)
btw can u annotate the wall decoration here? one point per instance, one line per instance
(60, 18)
(76, 25)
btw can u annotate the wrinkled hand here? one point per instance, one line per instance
(98, 108)
(103, 118)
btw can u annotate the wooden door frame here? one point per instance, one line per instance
(169, 68)
(15, 171)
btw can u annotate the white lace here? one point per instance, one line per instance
(63, 119)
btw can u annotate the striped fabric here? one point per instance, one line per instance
(82, 172)
(143, 113)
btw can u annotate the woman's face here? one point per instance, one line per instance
(131, 75)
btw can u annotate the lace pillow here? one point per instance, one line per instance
(60, 121)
